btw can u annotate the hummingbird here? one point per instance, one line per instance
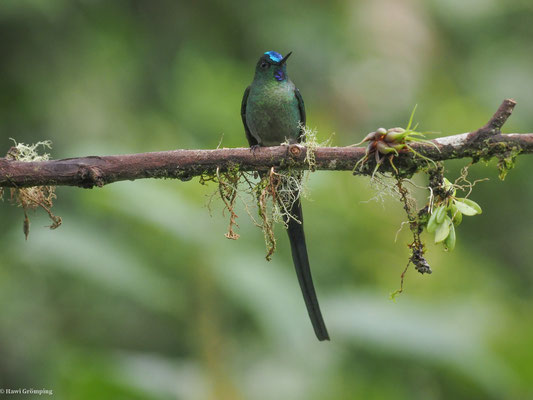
(273, 113)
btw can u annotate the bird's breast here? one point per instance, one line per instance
(272, 113)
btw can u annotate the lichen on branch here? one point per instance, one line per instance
(272, 193)
(33, 197)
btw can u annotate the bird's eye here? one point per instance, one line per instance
(264, 65)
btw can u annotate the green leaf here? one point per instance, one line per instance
(467, 207)
(411, 118)
(450, 240)
(474, 205)
(432, 223)
(443, 230)
(441, 213)
(457, 217)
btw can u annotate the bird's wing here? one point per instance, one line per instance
(301, 107)
(251, 140)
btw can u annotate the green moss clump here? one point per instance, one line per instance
(507, 161)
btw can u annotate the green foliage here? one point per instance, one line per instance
(506, 163)
(445, 217)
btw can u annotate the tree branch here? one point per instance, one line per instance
(87, 172)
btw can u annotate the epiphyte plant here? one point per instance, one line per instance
(448, 214)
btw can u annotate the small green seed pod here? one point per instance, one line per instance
(395, 135)
(370, 137)
(448, 186)
(397, 146)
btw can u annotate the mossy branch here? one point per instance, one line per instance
(484, 143)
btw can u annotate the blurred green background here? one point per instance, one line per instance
(138, 295)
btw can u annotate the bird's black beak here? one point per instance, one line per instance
(284, 59)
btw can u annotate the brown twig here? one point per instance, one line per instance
(88, 172)
(500, 116)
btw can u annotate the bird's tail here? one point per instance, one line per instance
(295, 230)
